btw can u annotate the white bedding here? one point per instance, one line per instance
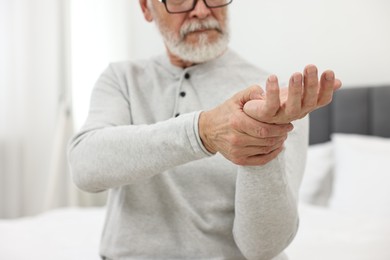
(326, 234)
(73, 234)
(349, 177)
(62, 234)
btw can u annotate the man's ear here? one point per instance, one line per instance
(145, 10)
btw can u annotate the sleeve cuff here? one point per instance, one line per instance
(194, 136)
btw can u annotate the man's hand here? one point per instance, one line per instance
(238, 137)
(303, 95)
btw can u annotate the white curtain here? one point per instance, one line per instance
(101, 32)
(35, 108)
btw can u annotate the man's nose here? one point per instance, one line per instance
(200, 11)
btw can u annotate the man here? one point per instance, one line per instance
(200, 165)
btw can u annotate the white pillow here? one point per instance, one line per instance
(361, 174)
(317, 181)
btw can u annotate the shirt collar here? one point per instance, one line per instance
(220, 61)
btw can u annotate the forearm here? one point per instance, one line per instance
(114, 156)
(266, 215)
(266, 218)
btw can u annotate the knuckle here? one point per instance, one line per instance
(264, 150)
(272, 141)
(268, 149)
(262, 132)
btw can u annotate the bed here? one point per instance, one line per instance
(344, 200)
(345, 195)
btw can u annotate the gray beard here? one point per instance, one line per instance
(199, 52)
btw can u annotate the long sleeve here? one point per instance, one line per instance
(110, 151)
(266, 216)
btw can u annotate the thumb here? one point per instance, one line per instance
(252, 93)
(253, 108)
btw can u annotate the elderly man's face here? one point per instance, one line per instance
(195, 36)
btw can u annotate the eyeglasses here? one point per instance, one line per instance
(183, 6)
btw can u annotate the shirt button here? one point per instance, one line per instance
(182, 94)
(178, 114)
(187, 75)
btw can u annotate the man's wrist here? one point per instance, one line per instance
(203, 127)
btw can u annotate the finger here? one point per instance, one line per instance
(337, 84)
(253, 142)
(259, 150)
(258, 129)
(258, 160)
(294, 100)
(272, 104)
(327, 84)
(310, 88)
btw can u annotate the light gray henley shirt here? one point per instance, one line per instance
(169, 198)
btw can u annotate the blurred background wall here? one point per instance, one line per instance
(281, 36)
(52, 52)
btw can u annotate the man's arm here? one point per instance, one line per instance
(266, 217)
(265, 209)
(110, 151)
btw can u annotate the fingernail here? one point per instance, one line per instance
(297, 77)
(311, 70)
(272, 78)
(329, 75)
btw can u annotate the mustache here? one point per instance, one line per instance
(196, 25)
